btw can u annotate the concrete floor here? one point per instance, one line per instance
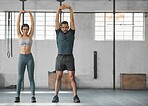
(88, 97)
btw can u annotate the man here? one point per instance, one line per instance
(65, 59)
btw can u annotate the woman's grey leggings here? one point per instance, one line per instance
(26, 60)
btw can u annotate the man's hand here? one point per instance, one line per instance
(61, 7)
(65, 6)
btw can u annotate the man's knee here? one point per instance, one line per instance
(71, 77)
(59, 77)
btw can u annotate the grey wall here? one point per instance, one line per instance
(131, 57)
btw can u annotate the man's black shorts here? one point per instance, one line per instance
(65, 62)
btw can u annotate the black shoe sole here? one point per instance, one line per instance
(55, 101)
(77, 102)
(17, 101)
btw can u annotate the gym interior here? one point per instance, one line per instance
(110, 51)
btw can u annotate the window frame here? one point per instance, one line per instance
(102, 32)
(47, 24)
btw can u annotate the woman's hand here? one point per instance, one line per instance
(22, 11)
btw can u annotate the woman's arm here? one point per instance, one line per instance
(18, 24)
(32, 24)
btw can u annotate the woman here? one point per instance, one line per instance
(25, 57)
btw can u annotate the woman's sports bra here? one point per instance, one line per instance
(25, 42)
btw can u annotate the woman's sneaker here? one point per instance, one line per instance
(76, 99)
(33, 99)
(55, 99)
(17, 99)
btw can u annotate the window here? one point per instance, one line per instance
(40, 26)
(50, 26)
(128, 26)
(44, 24)
(2, 25)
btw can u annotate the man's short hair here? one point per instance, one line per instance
(64, 22)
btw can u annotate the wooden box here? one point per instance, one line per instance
(132, 81)
(51, 80)
(65, 82)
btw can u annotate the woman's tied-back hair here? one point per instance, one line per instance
(25, 25)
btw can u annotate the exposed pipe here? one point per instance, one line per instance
(60, 10)
(77, 12)
(23, 9)
(22, 24)
(114, 41)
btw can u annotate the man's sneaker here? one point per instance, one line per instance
(17, 99)
(33, 99)
(55, 99)
(76, 99)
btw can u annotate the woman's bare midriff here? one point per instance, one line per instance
(25, 50)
